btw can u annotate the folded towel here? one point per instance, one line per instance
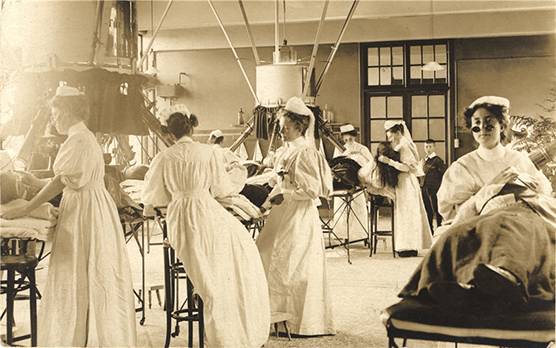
(40, 225)
(45, 211)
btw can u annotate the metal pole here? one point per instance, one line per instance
(276, 28)
(249, 34)
(248, 130)
(335, 47)
(315, 49)
(234, 52)
(154, 35)
(95, 31)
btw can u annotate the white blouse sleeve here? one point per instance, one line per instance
(155, 192)
(460, 197)
(221, 183)
(73, 162)
(312, 176)
(367, 153)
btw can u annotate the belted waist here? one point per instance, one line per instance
(88, 186)
(190, 194)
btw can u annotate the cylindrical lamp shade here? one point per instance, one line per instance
(277, 83)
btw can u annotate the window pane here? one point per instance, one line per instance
(436, 106)
(436, 130)
(372, 56)
(427, 54)
(397, 55)
(441, 75)
(378, 107)
(398, 76)
(440, 53)
(415, 55)
(395, 106)
(373, 76)
(385, 76)
(421, 149)
(419, 106)
(377, 131)
(419, 131)
(428, 76)
(415, 74)
(441, 150)
(385, 56)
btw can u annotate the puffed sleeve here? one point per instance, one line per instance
(73, 162)
(221, 184)
(155, 192)
(312, 176)
(459, 197)
(408, 157)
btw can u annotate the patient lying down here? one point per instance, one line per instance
(498, 252)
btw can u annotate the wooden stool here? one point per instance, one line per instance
(24, 265)
(150, 289)
(281, 317)
(378, 202)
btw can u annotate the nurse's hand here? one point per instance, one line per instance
(14, 213)
(505, 176)
(29, 179)
(383, 159)
(277, 200)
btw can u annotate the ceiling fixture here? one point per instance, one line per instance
(432, 65)
(152, 70)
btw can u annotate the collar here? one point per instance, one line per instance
(492, 154)
(79, 126)
(298, 142)
(216, 146)
(432, 155)
(185, 139)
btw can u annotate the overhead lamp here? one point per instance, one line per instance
(433, 65)
(152, 70)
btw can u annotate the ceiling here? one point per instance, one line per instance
(184, 14)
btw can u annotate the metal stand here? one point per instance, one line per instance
(347, 197)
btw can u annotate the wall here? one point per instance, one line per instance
(215, 89)
(522, 69)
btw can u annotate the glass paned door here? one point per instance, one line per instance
(381, 108)
(428, 121)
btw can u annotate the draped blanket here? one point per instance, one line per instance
(513, 238)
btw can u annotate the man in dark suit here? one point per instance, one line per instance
(434, 169)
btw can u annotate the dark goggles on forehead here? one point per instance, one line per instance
(477, 129)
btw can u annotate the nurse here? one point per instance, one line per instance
(291, 243)
(218, 254)
(88, 297)
(359, 221)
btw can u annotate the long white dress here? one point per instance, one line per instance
(359, 218)
(88, 297)
(292, 245)
(218, 254)
(412, 230)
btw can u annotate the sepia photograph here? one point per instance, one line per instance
(278, 173)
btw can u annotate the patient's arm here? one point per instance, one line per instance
(49, 191)
(31, 180)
